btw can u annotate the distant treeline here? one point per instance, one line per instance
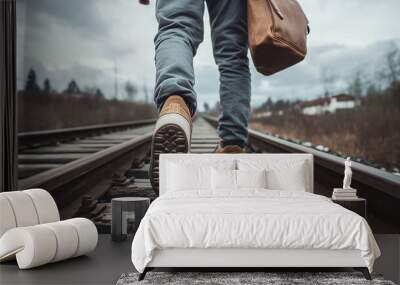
(32, 85)
(43, 108)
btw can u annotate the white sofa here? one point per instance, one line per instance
(31, 231)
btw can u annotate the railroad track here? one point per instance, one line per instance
(74, 162)
(85, 185)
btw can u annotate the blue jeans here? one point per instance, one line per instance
(179, 35)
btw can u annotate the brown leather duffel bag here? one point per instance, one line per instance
(277, 34)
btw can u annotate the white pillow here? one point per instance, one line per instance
(282, 174)
(292, 180)
(223, 179)
(187, 177)
(186, 174)
(251, 178)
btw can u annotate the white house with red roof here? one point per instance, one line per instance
(329, 104)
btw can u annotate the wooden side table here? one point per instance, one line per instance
(357, 205)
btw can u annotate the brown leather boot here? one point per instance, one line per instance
(172, 134)
(228, 149)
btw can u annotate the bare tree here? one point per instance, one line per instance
(328, 81)
(47, 86)
(393, 64)
(99, 94)
(131, 90)
(356, 86)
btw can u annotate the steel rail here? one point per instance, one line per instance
(374, 177)
(46, 137)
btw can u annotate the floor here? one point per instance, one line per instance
(388, 263)
(111, 259)
(104, 266)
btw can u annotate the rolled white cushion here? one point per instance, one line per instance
(37, 245)
(7, 218)
(23, 208)
(67, 240)
(87, 235)
(33, 246)
(45, 205)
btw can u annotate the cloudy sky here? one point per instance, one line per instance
(87, 39)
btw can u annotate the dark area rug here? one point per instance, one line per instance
(232, 278)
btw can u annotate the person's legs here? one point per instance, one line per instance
(228, 20)
(179, 34)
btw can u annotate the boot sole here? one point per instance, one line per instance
(169, 138)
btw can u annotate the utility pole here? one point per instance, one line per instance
(115, 80)
(145, 92)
